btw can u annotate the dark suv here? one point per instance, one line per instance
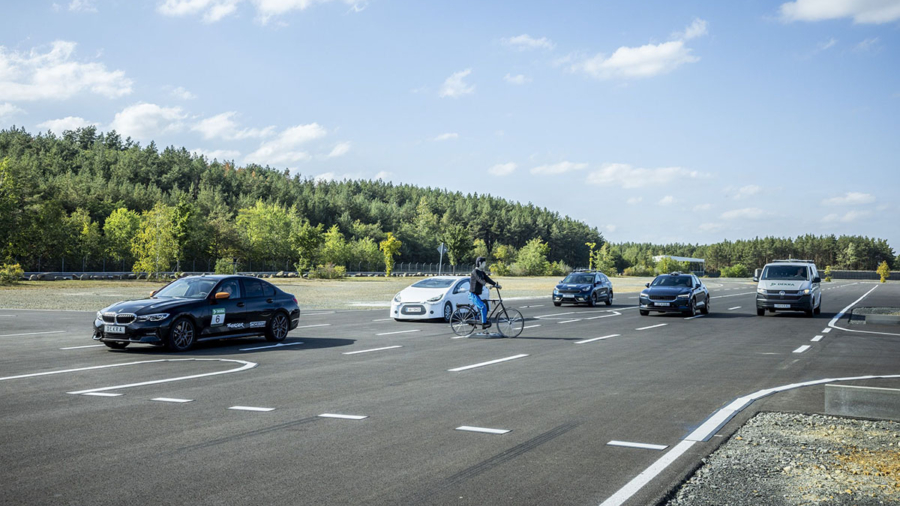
(675, 292)
(586, 287)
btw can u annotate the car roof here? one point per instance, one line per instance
(218, 277)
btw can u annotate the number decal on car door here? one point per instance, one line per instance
(218, 316)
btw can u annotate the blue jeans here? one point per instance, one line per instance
(477, 302)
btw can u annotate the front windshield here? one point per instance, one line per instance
(579, 279)
(785, 272)
(188, 288)
(672, 281)
(434, 283)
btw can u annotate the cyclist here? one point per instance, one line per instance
(477, 281)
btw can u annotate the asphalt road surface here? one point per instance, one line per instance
(588, 406)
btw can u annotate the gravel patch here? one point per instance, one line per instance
(795, 459)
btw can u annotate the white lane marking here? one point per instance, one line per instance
(633, 297)
(732, 295)
(802, 348)
(653, 326)
(343, 417)
(373, 349)
(570, 321)
(104, 394)
(33, 333)
(647, 475)
(825, 331)
(554, 314)
(169, 399)
(383, 320)
(279, 345)
(464, 368)
(597, 339)
(80, 347)
(311, 326)
(251, 408)
(247, 365)
(693, 317)
(644, 446)
(615, 313)
(539, 305)
(7, 316)
(483, 429)
(530, 327)
(733, 308)
(833, 322)
(817, 339)
(317, 314)
(400, 332)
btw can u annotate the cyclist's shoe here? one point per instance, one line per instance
(485, 325)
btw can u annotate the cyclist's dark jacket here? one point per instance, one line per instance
(478, 280)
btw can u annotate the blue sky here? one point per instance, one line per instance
(659, 121)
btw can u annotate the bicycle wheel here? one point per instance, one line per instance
(463, 321)
(509, 322)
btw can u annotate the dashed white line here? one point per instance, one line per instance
(373, 349)
(597, 339)
(483, 429)
(733, 308)
(530, 326)
(464, 368)
(647, 475)
(802, 348)
(817, 339)
(279, 345)
(251, 408)
(383, 320)
(318, 314)
(169, 399)
(400, 332)
(653, 326)
(644, 446)
(311, 326)
(80, 347)
(570, 321)
(103, 394)
(825, 331)
(694, 317)
(33, 333)
(343, 417)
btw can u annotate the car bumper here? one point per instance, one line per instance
(572, 297)
(135, 332)
(801, 303)
(674, 306)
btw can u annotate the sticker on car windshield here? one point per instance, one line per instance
(218, 316)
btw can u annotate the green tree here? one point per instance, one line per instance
(182, 228)
(480, 249)
(390, 247)
(306, 241)
(459, 244)
(266, 232)
(335, 249)
(120, 228)
(85, 236)
(532, 259)
(591, 245)
(154, 247)
(605, 261)
(884, 271)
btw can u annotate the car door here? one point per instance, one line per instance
(460, 293)
(259, 298)
(228, 316)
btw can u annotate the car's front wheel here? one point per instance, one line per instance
(705, 308)
(760, 312)
(278, 328)
(182, 335)
(448, 311)
(609, 298)
(592, 300)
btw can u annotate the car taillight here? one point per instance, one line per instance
(295, 300)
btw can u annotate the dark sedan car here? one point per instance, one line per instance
(675, 292)
(200, 308)
(587, 287)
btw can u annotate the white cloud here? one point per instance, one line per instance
(382, 175)
(702, 207)
(696, 29)
(862, 11)
(285, 148)
(82, 6)
(558, 168)
(341, 149)
(626, 176)
(850, 199)
(830, 43)
(146, 121)
(635, 200)
(611, 228)
(748, 213)
(870, 44)
(268, 9)
(447, 136)
(668, 200)
(503, 169)
(212, 10)
(637, 62)
(525, 42)
(7, 111)
(223, 126)
(711, 227)
(59, 126)
(182, 94)
(455, 86)
(848, 217)
(218, 154)
(518, 80)
(747, 191)
(54, 75)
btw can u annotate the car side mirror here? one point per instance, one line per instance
(817, 279)
(755, 279)
(647, 285)
(153, 293)
(222, 295)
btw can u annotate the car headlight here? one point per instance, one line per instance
(684, 296)
(397, 298)
(761, 290)
(644, 294)
(99, 315)
(806, 291)
(586, 289)
(158, 317)
(436, 298)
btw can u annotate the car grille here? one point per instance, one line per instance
(119, 319)
(413, 309)
(662, 297)
(570, 291)
(786, 292)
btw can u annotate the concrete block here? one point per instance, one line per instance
(865, 402)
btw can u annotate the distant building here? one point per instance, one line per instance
(697, 265)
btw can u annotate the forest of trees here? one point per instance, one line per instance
(94, 200)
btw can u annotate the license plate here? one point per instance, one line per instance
(661, 304)
(414, 310)
(782, 306)
(114, 329)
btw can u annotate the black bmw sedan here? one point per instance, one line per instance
(675, 292)
(200, 308)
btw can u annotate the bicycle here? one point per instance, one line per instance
(466, 319)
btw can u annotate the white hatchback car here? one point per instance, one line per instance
(430, 298)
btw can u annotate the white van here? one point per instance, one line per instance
(789, 285)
